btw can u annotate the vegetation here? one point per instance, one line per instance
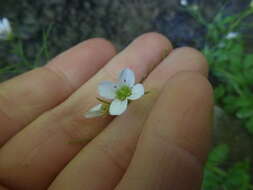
(21, 62)
(235, 177)
(232, 66)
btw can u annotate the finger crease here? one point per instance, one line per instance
(59, 74)
(105, 151)
(176, 146)
(2, 187)
(5, 113)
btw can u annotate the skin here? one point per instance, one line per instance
(161, 142)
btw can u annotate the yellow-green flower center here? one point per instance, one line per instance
(123, 92)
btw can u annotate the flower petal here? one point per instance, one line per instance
(107, 89)
(6, 24)
(232, 35)
(137, 92)
(96, 111)
(117, 107)
(127, 77)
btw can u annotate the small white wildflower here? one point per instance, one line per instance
(231, 35)
(183, 2)
(121, 92)
(5, 29)
(194, 7)
(221, 45)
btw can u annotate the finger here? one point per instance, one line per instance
(176, 138)
(45, 149)
(2, 188)
(25, 97)
(109, 154)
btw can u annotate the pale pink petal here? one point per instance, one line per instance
(107, 89)
(137, 92)
(127, 77)
(117, 107)
(96, 111)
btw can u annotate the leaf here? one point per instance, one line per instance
(219, 92)
(244, 101)
(211, 181)
(248, 61)
(218, 155)
(249, 125)
(238, 177)
(244, 113)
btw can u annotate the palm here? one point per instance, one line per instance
(42, 111)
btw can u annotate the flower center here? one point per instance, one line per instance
(123, 92)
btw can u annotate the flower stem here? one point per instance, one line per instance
(103, 101)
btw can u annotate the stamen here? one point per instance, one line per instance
(123, 92)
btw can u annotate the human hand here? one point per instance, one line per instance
(160, 142)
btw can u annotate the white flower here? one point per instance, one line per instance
(231, 35)
(194, 7)
(121, 92)
(96, 111)
(5, 29)
(184, 2)
(221, 45)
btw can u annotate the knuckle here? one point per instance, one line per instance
(155, 39)
(110, 154)
(189, 53)
(102, 43)
(193, 84)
